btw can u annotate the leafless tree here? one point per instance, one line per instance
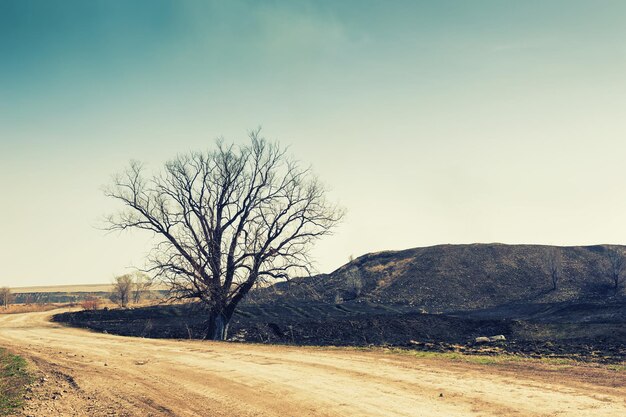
(553, 264)
(5, 296)
(141, 284)
(227, 219)
(617, 266)
(122, 289)
(354, 281)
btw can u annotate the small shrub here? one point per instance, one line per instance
(91, 303)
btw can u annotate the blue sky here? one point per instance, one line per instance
(432, 122)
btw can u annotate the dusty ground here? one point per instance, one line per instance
(80, 373)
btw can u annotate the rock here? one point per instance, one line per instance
(491, 339)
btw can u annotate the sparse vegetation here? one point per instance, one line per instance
(91, 303)
(31, 308)
(617, 266)
(6, 297)
(554, 266)
(14, 378)
(122, 289)
(465, 277)
(141, 284)
(354, 282)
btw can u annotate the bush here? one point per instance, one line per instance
(91, 303)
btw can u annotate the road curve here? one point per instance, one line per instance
(92, 374)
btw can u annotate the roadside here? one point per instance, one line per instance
(594, 338)
(95, 374)
(14, 381)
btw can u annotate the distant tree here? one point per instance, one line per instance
(227, 219)
(141, 284)
(122, 289)
(6, 297)
(617, 266)
(553, 264)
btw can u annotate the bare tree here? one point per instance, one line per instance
(617, 266)
(141, 284)
(228, 219)
(5, 296)
(553, 264)
(354, 282)
(122, 289)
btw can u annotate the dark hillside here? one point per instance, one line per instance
(392, 298)
(461, 277)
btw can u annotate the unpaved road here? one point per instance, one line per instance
(81, 373)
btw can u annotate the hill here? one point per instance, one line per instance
(396, 299)
(446, 278)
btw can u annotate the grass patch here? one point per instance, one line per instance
(14, 378)
(502, 358)
(31, 308)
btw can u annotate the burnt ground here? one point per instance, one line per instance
(582, 331)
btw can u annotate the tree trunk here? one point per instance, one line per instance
(217, 326)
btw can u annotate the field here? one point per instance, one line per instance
(89, 288)
(63, 294)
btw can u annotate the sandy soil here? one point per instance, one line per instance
(80, 373)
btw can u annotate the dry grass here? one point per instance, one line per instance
(500, 358)
(32, 308)
(104, 303)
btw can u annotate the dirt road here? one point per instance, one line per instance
(89, 374)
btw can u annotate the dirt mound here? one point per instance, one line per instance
(454, 277)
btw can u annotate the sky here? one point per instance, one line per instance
(430, 121)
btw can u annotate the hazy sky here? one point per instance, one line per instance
(432, 122)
